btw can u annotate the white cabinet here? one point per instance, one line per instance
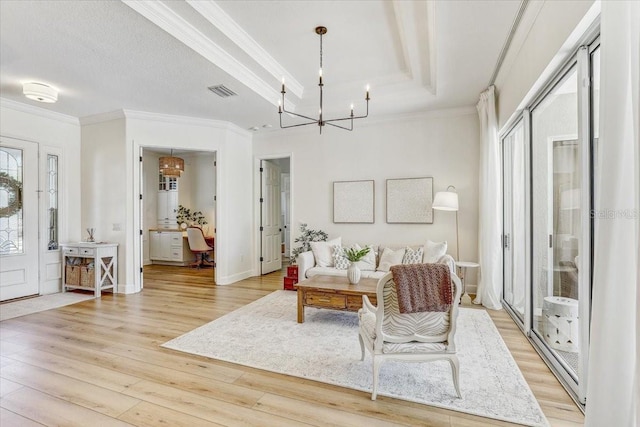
(167, 205)
(169, 247)
(90, 266)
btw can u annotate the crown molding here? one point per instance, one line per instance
(418, 40)
(185, 120)
(37, 111)
(102, 117)
(163, 118)
(219, 18)
(165, 18)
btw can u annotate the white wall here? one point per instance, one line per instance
(545, 37)
(58, 134)
(443, 145)
(233, 187)
(104, 184)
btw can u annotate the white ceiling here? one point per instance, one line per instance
(160, 57)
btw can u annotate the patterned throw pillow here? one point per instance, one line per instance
(412, 256)
(340, 260)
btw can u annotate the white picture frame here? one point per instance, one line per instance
(354, 202)
(410, 201)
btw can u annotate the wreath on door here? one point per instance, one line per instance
(14, 189)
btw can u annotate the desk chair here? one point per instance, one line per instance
(199, 247)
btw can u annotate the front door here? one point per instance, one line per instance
(271, 258)
(18, 219)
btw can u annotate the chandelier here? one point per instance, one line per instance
(320, 121)
(171, 166)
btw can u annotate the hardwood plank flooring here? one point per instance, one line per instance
(99, 363)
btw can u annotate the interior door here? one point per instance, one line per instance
(270, 229)
(19, 262)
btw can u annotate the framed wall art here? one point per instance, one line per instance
(353, 202)
(409, 201)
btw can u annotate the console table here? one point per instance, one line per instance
(89, 266)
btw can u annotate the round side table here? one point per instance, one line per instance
(462, 272)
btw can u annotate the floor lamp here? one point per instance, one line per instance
(448, 201)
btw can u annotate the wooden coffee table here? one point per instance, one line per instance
(334, 293)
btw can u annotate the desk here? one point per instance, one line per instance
(462, 272)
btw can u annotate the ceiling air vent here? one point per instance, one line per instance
(222, 91)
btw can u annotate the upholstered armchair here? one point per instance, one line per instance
(414, 337)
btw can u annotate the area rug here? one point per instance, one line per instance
(13, 309)
(266, 335)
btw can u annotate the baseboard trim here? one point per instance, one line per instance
(126, 289)
(228, 280)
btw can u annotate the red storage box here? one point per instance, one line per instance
(289, 282)
(292, 271)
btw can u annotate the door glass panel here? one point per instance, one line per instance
(556, 221)
(514, 220)
(52, 200)
(11, 217)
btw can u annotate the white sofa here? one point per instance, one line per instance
(307, 266)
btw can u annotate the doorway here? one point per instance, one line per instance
(171, 204)
(275, 213)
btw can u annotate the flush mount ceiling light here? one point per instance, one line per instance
(40, 92)
(171, 166)
(320, 121)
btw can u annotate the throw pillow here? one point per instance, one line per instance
(340, 260)
(433, 251)
(413, 256)
(323, 251)
(368, 262)
(390, 257)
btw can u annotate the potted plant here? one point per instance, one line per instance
(307, 236)
(185, 217)
(354, 255)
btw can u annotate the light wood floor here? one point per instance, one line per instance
(98, 363)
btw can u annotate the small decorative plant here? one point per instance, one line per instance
(355, 255)
(305, 238)
(184, 215)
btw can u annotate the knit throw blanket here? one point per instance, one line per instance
(422, 287)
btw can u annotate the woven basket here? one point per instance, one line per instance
(87, 276)
(72, 275)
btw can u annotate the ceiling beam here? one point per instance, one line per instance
(230, 28)
(416, 24)
(178, 27)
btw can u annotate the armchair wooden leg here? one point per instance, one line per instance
(455, 371)
(376, 373)
(361, 347)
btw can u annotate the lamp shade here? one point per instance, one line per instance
(171, 166)
(445, 201)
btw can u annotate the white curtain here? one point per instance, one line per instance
(613, 381)
(490, 221)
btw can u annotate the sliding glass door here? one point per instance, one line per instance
(548, 176)
(514, 174)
